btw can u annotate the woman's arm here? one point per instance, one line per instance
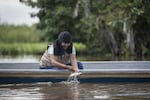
(58, 64)
(54, 61)
(74, 62)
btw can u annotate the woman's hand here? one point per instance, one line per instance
(70, 68)
(76, 69)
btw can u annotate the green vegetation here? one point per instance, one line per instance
(80, 47)
(30, 48)
(15, 34)
(23, 39)
(116, 27)
(21, 48)
(99, 27)
(20, 40)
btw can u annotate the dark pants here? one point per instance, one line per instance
(80, 66)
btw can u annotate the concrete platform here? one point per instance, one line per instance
(97, 71)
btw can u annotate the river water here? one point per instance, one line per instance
(82, 91)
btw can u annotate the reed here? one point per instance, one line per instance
(30, 48)
(21, 48)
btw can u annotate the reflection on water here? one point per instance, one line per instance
(21, 58)
(82, 91)
(20, 93)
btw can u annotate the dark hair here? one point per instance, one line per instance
(63, 37)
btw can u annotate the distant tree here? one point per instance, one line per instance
(142, 30)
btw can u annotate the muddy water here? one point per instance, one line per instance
(82, 91)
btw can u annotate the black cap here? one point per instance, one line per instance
(65, 37)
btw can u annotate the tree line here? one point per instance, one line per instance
(118, 27)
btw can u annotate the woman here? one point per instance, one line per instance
(61, 54)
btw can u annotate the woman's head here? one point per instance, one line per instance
(65, 39)
(63, 43)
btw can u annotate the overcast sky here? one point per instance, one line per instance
(14, 12)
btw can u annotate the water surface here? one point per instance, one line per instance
(82, 91)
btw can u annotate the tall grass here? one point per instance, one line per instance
(12, 33)
(23, 39)
(80, 47)
(21, 48)
(30, 48)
